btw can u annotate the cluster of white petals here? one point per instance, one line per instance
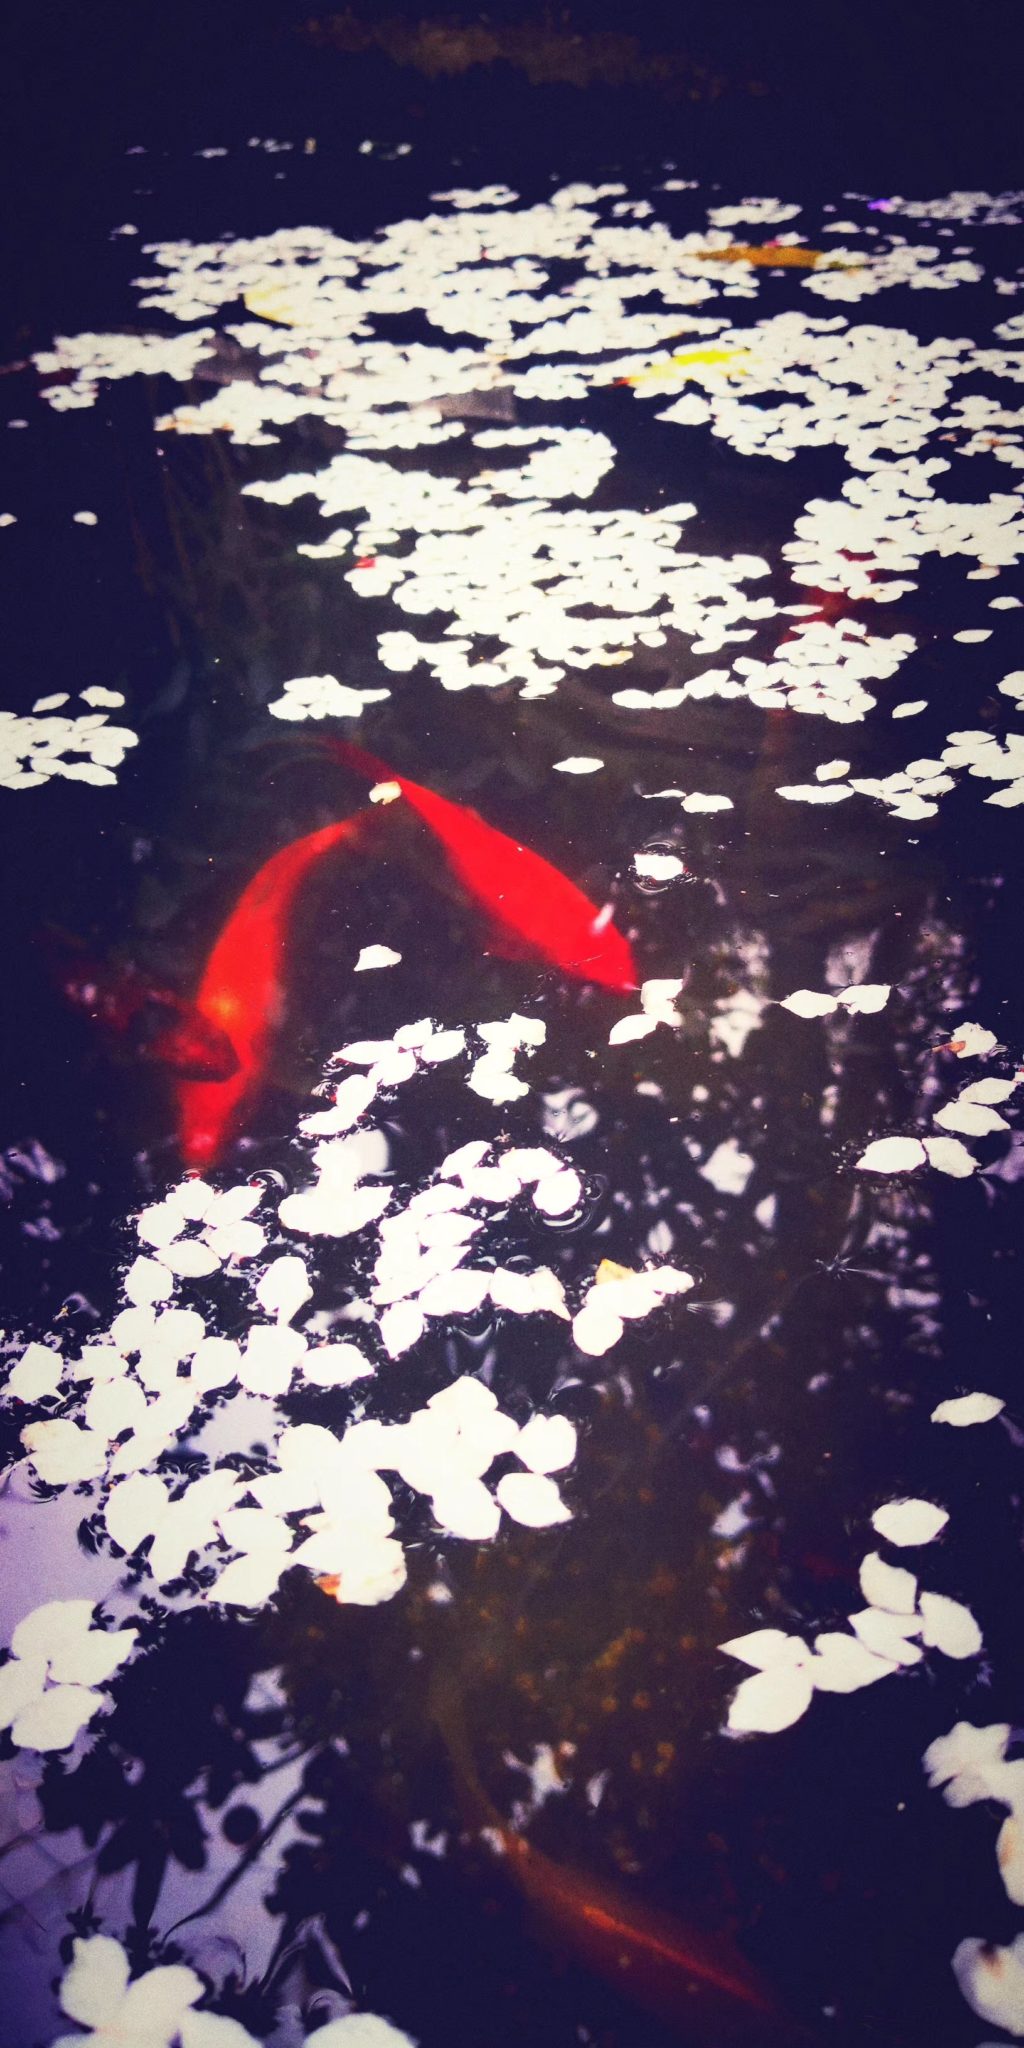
(881, 1642)
(48, 1686)
(159, 2009)
(82, 747)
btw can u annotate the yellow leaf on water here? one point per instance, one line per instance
(610, 1270)
(271, 302)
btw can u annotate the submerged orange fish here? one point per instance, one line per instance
(242, 990)
(534, 910)
(776, 256)
(696, 1982)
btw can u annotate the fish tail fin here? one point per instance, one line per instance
(359, 760)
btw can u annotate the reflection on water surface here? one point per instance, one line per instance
(492, 1545)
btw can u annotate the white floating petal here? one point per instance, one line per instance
(335, 1365)
(866, 997)
(771, 1700)
(532, 1499)
(973, 1119)
(629, 1028)
(465, 1508)
(283, 1288)
(376, 956)
(547, 1443)
(947, 1155)
(991, 1980)
(248, 1581)
(887, 1634)
(54, 1719)
(891, 1155)
(905, 1522)
(596, 1328)
(806, 1002)
(36, 1377)
(949, 1626)
(766, 1647)
(887, 1585)
(843, 1664)
(965, 1409)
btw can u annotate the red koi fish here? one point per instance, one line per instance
(146, 1021)
(242, 989)
(532, 907)
(697, 1983)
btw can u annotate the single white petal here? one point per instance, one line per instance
(283, 1288)
(531, 1499)
(947, 1155)
(96, 1982)
(891, 1155)
(36, 1377)
(887, 1634)
(147, 1281)
(191, 1260)
(991, 1980)
(766, 1647)
(866, 997)
(1010, 1857)
(843, 1664)
(51, 1628)
(248, 1581)
(629, 1028)
(376, 956)
(886, 1585)
(466, 1508)
(596, 1328)
(965, 1409)
(135, 1507)
(949, 1626)
(547, 1443)
(771, 1700)
(92, 1659)
(62, 1453)
(335, 1365)
(364, 2030)
(54, 1719)
(272, 1352)
(973, 1119)
(216, 1364)
(21, 1681)
(905, 1522)
(806, 1002)
(157, 2002)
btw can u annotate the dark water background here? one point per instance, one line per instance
(847, 1881)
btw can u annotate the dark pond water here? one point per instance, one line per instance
(477, 1763)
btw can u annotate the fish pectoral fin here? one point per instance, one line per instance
(194, 1052)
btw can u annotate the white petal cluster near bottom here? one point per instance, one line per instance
(58, 1659)
(157, 2010)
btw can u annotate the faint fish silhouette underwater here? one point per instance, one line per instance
(695, 1982)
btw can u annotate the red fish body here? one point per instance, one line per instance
(529, 902)
(242, 990)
